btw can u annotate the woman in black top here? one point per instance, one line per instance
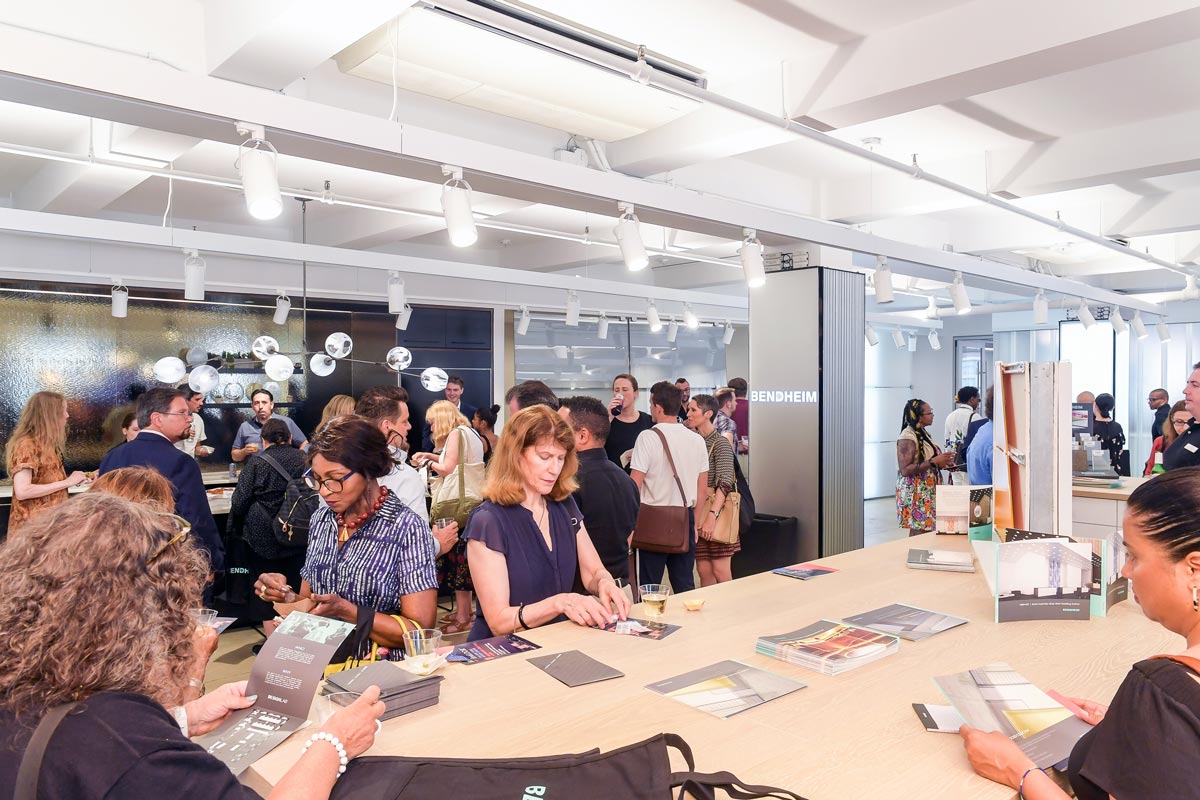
(1109, 432)
(255, 504)
(627, 422)
(1147, 743)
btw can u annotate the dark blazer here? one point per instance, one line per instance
(1160, 419)
(466, 410)
(191, 502)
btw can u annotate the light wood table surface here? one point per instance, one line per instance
(850, 736)
(1107, 493)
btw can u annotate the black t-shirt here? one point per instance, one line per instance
(608, 499)
(117, 745)
(1185, 450)
(623, 435)
(1148, 745)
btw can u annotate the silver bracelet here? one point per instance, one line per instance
(333, 740)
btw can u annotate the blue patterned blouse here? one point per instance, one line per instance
(390, 556)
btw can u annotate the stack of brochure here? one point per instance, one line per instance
(401, 691)
(945, 560)
(828, 647)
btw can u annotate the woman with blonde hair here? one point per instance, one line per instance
(113, 724)
(34, 458)
(338, 406)
(527, 539)
(453, 572)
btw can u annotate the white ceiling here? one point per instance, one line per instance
(1091, 124)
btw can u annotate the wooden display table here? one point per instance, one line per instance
(854, 735)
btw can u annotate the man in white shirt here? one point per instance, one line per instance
(651, 471)
(194, 434)
(957, 422)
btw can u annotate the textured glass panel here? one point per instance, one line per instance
(71, 343)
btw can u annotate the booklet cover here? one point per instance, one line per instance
(828, 647)
(285, 676)
(804, 571)
(907, 622)
(941, 560)
(995, 697)
(1038, 576)
(641, 628)
(981, 525)
(726, 688)
(952, 506)
(574, 668)
(938, 719)
(491, 649)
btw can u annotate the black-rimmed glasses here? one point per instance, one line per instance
(181, 528)
(331, 485)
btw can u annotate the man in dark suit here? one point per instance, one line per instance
(454, 390)
(163, 416)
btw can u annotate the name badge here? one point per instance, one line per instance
(1191, 448)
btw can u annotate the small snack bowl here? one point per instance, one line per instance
(693, 603)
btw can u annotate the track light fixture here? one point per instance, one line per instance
(629, 239)
(883, 281)
(899, 339)
(872, 336)
(1085, 315)
(1118, 322)
(456, 208)
(193, 275)
(912, 343)
(931, 310)
(752, 259)
(653, 318)
(934, 342)
(1041, 309)
(1164, 333)
(395, 293)
(689, 317)
(523, 322)
(958, 291)
(283, 305)
(120, 299)
(1139, 327)
(403, 317)
(672, 330)
(602, 328)
(257, 164)
(572, 309)
(727, 338)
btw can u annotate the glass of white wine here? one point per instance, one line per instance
(654, 598)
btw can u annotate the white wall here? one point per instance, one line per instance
(888, 385)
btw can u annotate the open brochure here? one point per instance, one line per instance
(285, 677)
(907, 622)
(726, 688)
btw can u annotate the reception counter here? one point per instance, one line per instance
(1096, 511)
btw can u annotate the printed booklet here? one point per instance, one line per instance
(829, 647)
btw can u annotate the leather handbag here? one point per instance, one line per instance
(639, 771)
(664, 529)
(728, 518)
(455, 497)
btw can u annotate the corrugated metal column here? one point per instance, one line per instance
(843, 318)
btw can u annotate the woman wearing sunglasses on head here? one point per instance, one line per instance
(365, 548)
(101, 590)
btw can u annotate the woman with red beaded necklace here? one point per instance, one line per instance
(365, 547)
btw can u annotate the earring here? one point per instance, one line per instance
(1196, 598)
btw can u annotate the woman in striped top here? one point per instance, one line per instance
(713, 558)
(365, 547)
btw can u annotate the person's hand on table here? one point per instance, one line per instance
(583, 609)
(205, 713)
(355, 725)
(76, 478)
(994, 756)
(1093, 712)
(447, 537)
(334, 607)
(272, 587)
(613, 597)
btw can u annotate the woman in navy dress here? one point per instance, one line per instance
(526, 541)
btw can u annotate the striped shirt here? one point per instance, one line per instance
(720, 462)
(388, 557)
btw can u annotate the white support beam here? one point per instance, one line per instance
(1172, 212)
(271, 43)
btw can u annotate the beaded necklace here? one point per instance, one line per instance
(346, 528)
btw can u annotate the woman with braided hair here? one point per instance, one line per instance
(919, 461)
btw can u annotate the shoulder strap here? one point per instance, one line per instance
(1191, 662)
(31, 762)
(671, 461)
(278, 467)
(462, 461)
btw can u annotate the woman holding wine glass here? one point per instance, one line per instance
(526, 539)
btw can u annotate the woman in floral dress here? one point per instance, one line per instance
(919, 462)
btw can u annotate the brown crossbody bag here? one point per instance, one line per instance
(664, 529)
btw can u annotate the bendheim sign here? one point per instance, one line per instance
(791, 396)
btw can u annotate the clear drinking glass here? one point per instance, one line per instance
(654, 598)
(204, 617)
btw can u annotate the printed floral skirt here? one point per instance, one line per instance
(914, 501)
(453, 572)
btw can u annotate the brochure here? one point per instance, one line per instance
(829, 647)
(994, 697)
(400, 691)
(574, 668)
(726, 688)
(907, 622)
(941, 560)
(939, 719)
(980, 513)
(285, 676)
(491, 649)
(641, 628)
(804, 571)
(952, 505)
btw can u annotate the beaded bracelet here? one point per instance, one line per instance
(333, 740)
(1021, 785)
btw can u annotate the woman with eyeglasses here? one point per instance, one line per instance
(117, 719)
(365, 549)
(34, 458)
(1176, 424)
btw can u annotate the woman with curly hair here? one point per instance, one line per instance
(114, 582)
(527, 540)
(919, 462)
(34, 458)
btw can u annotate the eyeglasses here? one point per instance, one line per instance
(181, 527)
(1179, 423)
(174, 413)
(331, 485)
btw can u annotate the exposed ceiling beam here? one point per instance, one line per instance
(1172, 212)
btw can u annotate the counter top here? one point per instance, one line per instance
(1105, 493)
(211, 478)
